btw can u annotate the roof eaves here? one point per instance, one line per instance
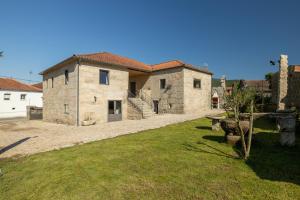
(60, 64)
(83, 59)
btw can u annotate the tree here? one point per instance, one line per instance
(268, 77)
(241, 100)
(1, 53)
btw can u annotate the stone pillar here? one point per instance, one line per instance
(282, 82)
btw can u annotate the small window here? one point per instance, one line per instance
(197, 83)
(162, 83)
(66, 77)
(52, 82)
(6, 96)
(47, 83)
(104, 77)
(66, 107)
(23, 97)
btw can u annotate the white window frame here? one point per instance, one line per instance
(6, 96)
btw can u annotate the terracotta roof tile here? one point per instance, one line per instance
(177, 63)
(38, 85)
(11, 84)
(167, 65)
(110, 58)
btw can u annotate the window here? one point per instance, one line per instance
(66, 107)
(47, 83)
(162, 83)
(197, 83)
(66, 77)
(114, 107)
(6, 96)
(23, 97)
(114, 111)
(104, 78)
(52, 82)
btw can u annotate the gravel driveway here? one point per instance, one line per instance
(22, 137)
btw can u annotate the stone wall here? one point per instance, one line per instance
(195, 99)
(293, 91)
(54, 99)
(171, 98)
(94, 97)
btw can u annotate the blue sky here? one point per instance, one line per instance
(234, 37)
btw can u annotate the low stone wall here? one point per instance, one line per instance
(34, 112)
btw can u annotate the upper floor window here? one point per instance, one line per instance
(197, 83)
(47, 82)
(52, 82)
(66, 77)
(162, 83)
(23, 97)
(6, 96)
(104, 77)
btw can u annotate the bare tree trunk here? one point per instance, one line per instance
(250, 131)
(240, 130)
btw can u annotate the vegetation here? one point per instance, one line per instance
(240, 99)
(181, 161)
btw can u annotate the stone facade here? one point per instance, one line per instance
(55, 98)
(179, 96)
(83, 87)
(94, 97)
(196, 99)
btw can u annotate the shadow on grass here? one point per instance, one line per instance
(269, 160)
(212, 150)
(215, 138)
(203, 127)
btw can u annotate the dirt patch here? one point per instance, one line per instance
(25, 129)
(7, 126)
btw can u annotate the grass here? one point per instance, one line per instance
(181, 161)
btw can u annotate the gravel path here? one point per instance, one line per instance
(22, 137)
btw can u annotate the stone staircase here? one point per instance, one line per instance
(142, 106)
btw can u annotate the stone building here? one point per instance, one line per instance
(285, 85)
(106, 87)
(218, 92)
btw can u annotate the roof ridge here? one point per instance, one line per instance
(177, 60)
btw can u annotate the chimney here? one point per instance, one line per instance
(223, 82)
(282, 82)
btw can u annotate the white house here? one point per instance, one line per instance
(15, 96)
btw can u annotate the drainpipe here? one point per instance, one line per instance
(78, 64)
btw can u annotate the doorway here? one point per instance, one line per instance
(132, 88)
(155, 106)
(114, 111)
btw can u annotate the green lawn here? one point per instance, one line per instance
(182, 161)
